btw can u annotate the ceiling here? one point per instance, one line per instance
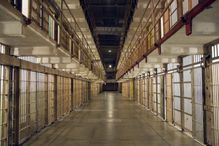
(109, 21)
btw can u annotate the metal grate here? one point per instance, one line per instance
(75, 100)
(33, 100)
(4, 89)
(60, 110)
(198, 132)
(41, 100)
(146, 93)
(154, 107)
(141, 93)
(24, 106)
(150, 93)
(137, 90)
(67, 95)
(187, 94)
(160, 96)
(51, 99)
(169, 99)
(177, 99)
(33, 103)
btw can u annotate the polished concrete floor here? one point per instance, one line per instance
(110, 120)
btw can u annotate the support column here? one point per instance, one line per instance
(55, 98)
(207, 101)
(89, 91)
(11, 107)
(156, 83)
(16, 106)
(134, 89)
(164, 91)
(47, 101)
(180, 70)
(72, 94)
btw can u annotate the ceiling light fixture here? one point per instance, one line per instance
(110, 66)
(110, 51)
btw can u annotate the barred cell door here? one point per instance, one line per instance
(187, 94)
(198, 114)
(4, 90)
(140, 91)
(177, 100)
(51, 99)
(150, 93)
(42, 89)
(154, 99)
(146, 93)
(160, 96)
(169, 99)
(187, 101)
(131, 89)
(137, 91)
(33, 100)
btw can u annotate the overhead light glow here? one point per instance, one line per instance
(110, 66)
(110, 51)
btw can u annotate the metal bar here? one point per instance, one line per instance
(8, 60)
(190, 15)
(16, 105)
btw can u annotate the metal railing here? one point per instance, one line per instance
(159, 18)
(51, 18)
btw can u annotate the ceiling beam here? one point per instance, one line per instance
(109, 30)
(108, 5)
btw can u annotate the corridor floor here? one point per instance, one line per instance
(110, 120)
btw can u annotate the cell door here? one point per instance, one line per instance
(4, 90)
(146, 92)
(187, 94)
(131, 90)
(176, 99)
(24, 106)
(187, 99)
(154, 100)
(142, 91)
(33, 98)
(150, 93)
(159, 97)
(59, 97)
(160, 94)
(139, 91)
(42, 89)
(51, 99)
(27, 104)
(169, 99)
(75, 92)
(66, 95)
(198, 128)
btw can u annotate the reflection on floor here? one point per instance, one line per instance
(110, 120)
